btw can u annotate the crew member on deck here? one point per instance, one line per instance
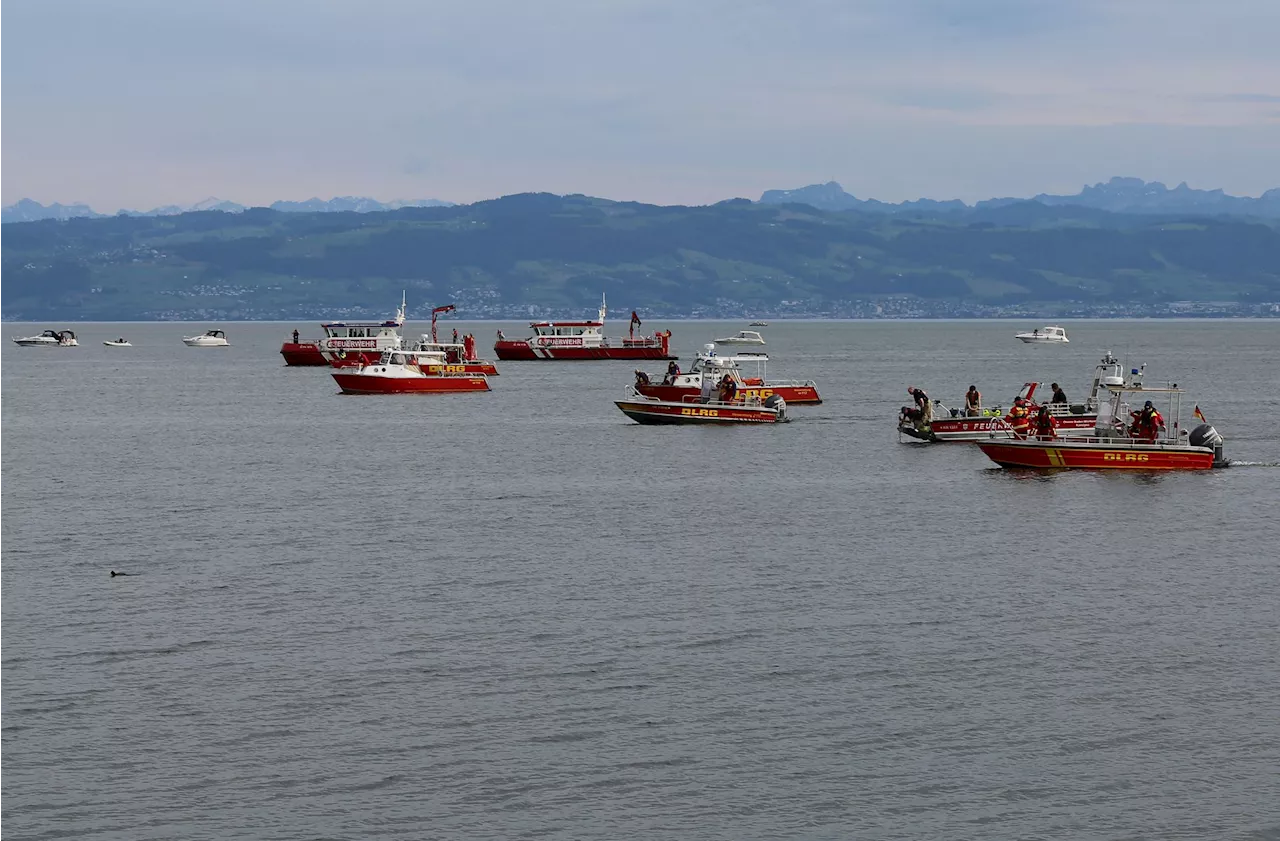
(1059, 396)
(641, 378)
(295, 337)
(922, 403)
(1019, 418)
(973, 402)
(1043, 426)
(1147, 424)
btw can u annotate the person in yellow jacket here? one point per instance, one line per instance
(1019, 418)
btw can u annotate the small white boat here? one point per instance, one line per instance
(211, 338)
(49, 338)
(1044, 336)
(743, 337)
(758, 324)
(121, 342)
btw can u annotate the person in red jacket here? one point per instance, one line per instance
(1043, 426)
(1147, 424)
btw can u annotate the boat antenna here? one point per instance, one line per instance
(400, 312)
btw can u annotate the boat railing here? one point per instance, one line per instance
(942, 411)
(1109, 441)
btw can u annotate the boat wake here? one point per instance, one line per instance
(1235, 463)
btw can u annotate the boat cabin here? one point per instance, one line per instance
(342, 330)
(421, 358)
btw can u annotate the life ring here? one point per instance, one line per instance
(341, 354)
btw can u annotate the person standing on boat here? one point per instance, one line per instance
(973, 402)
(295, 337)
(1019, 418)
(673, 371)
(1043, 426)
(922, 403)
(1059, 396)
(1147, 424)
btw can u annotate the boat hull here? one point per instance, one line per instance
(359, 359)
(1096, 456)
(524, 351)
(983, 429)
(648, 412)
(359, 383)
(301, 354)
(802, 394)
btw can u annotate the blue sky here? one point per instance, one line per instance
(138, 103)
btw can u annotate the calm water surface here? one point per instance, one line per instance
(519, 615)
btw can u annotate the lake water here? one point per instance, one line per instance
(520, 615)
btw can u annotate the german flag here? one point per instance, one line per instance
(1199, 414)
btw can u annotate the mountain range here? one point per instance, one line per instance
(537, 253)
(1119, 195)
(27, 210)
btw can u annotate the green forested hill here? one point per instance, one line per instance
(501, 257)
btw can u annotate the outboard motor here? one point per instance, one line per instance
(775, 401)
(1205, 435)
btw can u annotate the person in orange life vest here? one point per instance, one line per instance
(1043, 426)
(973, 402)
(1146, 424)
(1019, 418)
(922, 403)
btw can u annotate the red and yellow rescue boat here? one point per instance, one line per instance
(408, 372)
(678, 385)
(1145, 443)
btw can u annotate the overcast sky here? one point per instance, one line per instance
(138, 103)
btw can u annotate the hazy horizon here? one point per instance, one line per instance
(143, 103)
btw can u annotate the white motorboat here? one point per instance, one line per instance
(758, 324)
(743, 337)
(211, 338)
(1045, 336)
(120, 342)
(49, 338)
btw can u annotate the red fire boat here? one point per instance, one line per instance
(302, 353)
(582, 340)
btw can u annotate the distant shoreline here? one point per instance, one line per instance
(660, 319)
